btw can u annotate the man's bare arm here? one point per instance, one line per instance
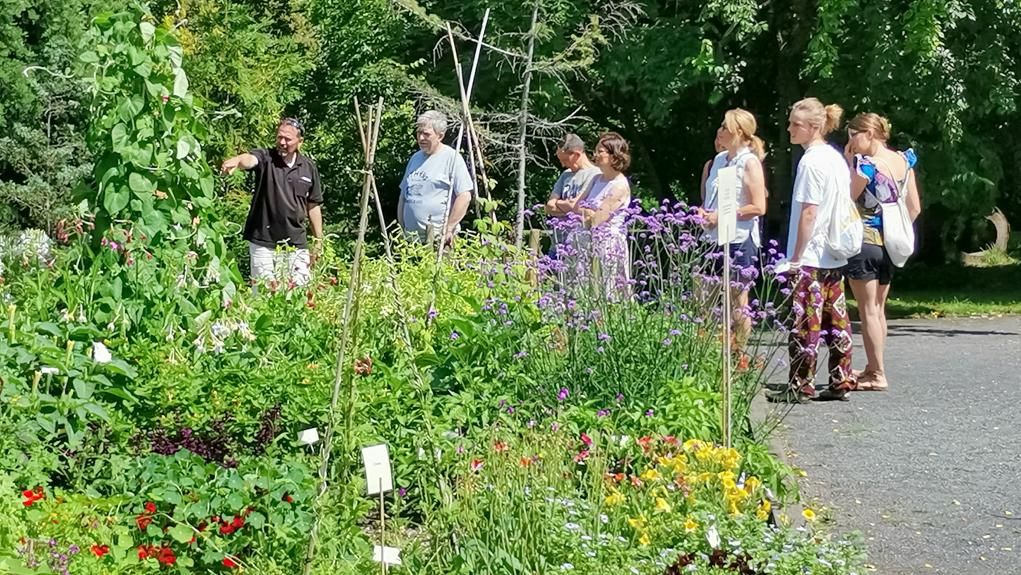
(243, 161)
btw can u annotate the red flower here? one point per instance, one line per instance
(226, 529)
(586, 440)
(288, 498)
(31, 496)
(229, 563)
(526, 461)
(670, 440)
(100, 550)
(582, 456)
(476, 465)
(238, 522)
(143, 521)
(645, 442)
(166, 556)
(150, 507)
(145, 551)
(500, 447)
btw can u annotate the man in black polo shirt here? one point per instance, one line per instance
(287, 191)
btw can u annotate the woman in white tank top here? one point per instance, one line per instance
(744, 151)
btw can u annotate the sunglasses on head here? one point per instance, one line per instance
(294, 123)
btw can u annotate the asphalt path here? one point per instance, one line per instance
(928, 472)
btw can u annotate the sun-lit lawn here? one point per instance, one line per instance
(955, 291)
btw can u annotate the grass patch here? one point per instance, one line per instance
(954, 290)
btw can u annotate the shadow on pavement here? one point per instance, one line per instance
(907, 330)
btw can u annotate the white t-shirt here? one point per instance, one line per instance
(822, 176)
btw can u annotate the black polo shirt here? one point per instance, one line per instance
(282, 198)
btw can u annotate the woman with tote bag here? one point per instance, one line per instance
(883, 186)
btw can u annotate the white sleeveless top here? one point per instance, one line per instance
(745, 228)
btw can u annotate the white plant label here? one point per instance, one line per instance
(309, 436)
(378, 477)
(726, 205)
(388, 555)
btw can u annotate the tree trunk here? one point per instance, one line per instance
(792, 27)
(519, 233)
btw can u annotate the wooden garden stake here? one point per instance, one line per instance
(726, 229)
(349, 320)
(382, 527)
(726, 346)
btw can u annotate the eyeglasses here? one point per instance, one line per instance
(294, 123)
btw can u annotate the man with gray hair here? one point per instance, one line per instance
(436, 189)
(578, 173)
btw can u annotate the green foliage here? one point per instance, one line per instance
(42, 151)
(247, 62)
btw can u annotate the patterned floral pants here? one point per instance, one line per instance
(820, 314)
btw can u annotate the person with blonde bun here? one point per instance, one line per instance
(819, 309)
(879, 174)
(745, 151)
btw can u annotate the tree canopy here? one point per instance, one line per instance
(660, 72)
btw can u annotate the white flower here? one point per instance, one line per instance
(219, 329)
(604, 518)
(635, 570)
(100, 354)
(47, 370)
(713, 536)
(572, 526)
(566, 567)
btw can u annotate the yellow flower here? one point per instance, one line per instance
(692, 444)
(637, 522)
(615, 498)
(730, 458)
(690, 525)
(762, 512)
(662, 506)
(704, 453)
(732, 508)
(645, 539)
(808, 514)
(663, 460)
(727, 479)
(751, 484)
(651, 475)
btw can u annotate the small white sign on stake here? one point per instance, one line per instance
(309, 436)
(378, 477)
(726, 205)
(387, 555)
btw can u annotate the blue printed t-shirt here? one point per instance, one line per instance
(881, 188)
(428, 185)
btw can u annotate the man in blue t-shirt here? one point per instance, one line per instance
(436, 189)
